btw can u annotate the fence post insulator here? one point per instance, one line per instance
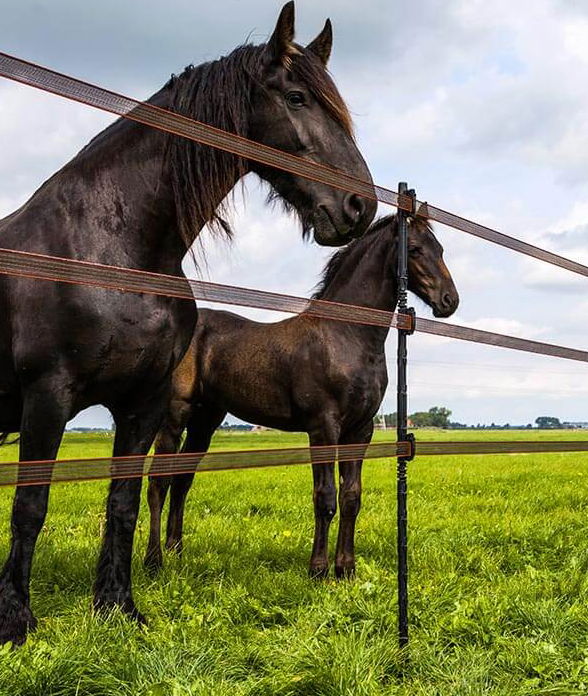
(411, 327)
(411, 441)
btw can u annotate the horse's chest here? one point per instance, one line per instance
(363, 384)
(149, 339)
(103, 337)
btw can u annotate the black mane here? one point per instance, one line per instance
(201, 93)
(334, 264)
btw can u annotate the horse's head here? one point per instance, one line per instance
(428, 276)
(297, 108)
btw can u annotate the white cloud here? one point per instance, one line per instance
(575, 38)
(510, 327)
(575, 217)
(39, 133)
(571, 243)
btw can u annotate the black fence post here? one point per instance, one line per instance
(402, 416)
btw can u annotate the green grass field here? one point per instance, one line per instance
(499, 599)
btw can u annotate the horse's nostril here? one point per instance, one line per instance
(446, 300)
(354, 208)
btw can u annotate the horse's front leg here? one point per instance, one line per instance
(136, 429)
(325, 503)
(349, 503)
(46, 409)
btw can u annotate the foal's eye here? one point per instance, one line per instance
(295, 99)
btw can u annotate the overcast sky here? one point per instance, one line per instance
(481, 105)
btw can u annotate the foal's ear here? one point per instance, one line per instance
(322, 45)
(280, 42)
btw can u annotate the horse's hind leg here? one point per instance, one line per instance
(349, 503)
(156, 494)
(168, 442)
(46, 409)
(201, 427)
(325, 502)
(181, 484)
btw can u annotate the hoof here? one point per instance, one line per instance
(16, 617)
(127, 606)
(136, 616)
(318, 572)
(153, 562)
(174, 545)
(345, 572)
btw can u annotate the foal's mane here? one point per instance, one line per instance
(219, 94)
(383, 225)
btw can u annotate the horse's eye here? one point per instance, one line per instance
(295, 99)
(415, 251)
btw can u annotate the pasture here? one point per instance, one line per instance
(499, 601)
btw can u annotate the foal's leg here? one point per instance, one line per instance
(168, 442)
(46, 409)
(325, 503)
(156, 494)
(201, 427)
(136, 429)
(349, 503)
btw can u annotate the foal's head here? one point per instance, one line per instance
(364, 271)
(428, 276)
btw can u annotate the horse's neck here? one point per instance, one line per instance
(121, 180)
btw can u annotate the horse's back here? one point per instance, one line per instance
(285, 374)
(244, 366)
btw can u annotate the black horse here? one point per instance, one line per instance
(135, 197)
(318, 376)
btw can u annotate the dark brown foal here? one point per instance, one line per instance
(322, 377)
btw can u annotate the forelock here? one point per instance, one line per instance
(307, 68)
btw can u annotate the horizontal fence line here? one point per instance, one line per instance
(500, 447)
(430, 212)
(464, 333)
(41, 267)
(37, 76)
(70, 470)
(53, 268)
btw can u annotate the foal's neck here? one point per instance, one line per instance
(366, 275)
(366, 278)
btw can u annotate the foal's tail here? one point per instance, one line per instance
(4, 437)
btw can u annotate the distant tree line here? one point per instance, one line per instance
(236, 426)
(82, 429)
(547, 422)
(435, 417)
(439, 417)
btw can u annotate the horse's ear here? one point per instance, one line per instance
(280, 42)
(322, 45)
